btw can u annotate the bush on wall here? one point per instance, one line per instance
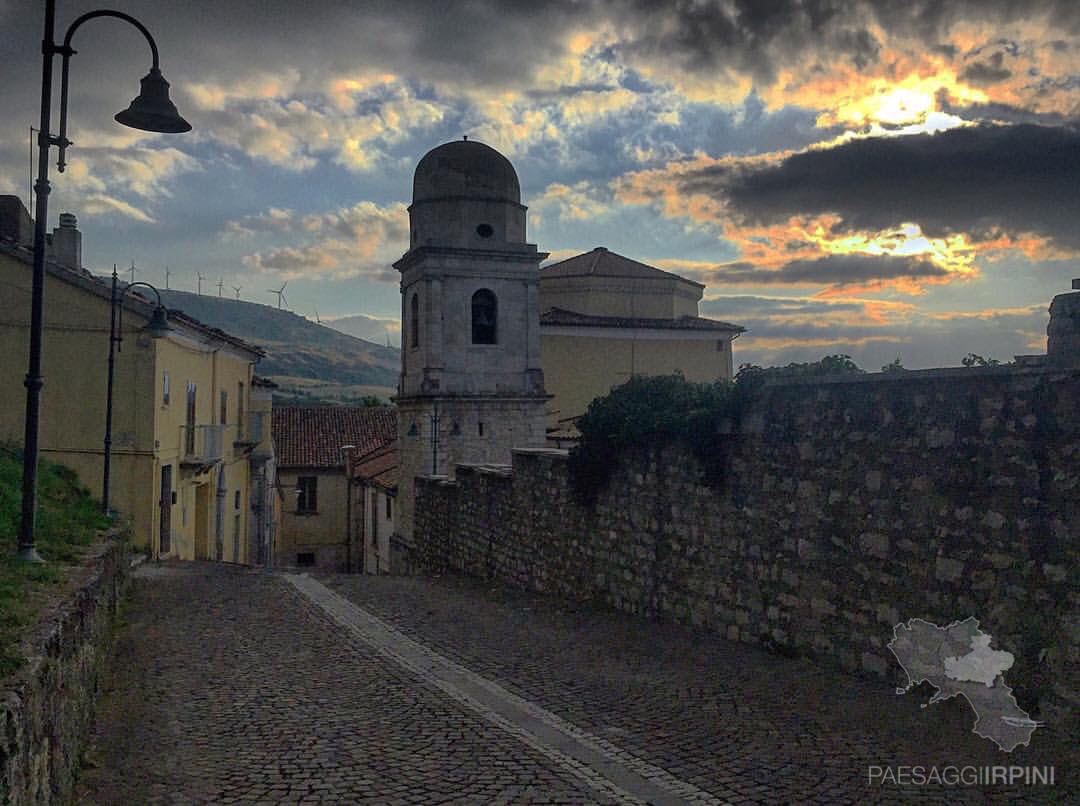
(652, 411)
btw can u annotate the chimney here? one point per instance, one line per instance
(65, 245)
(15, 223)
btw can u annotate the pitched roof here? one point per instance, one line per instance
(313, 436)
(139, 303)
(379, 467)
(602, 263)
(561, 316)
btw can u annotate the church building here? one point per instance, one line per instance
(605, 318)
(471, 385)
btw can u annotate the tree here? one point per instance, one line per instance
(973, 360)
(894, 366)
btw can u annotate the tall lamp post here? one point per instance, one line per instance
(150, 111)
(157, 328)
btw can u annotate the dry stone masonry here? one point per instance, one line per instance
(848, 505)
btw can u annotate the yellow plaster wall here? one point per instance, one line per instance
(579, 368)
(146, 433)
(322, 533)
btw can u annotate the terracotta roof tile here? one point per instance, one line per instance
(312, 436)
(601, 262)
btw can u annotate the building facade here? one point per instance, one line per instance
(312, 446)
(471, 385)
(181, 424)
(606, 318)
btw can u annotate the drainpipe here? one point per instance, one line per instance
(346, 452)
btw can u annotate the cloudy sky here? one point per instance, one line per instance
(879, 178)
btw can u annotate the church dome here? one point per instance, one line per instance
(465, 169)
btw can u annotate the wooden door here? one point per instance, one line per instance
(165, 503)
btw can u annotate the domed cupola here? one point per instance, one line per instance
(466, 194)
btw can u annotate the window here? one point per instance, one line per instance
(720, 345)
(480, 429)
(389, 508)
(189, 432)
(485, 230)
(236, 500)
(414, 321)
(165, 388)
(484, 317)
(224, 407)
(240, 409)
(306, 499)
(306, 558)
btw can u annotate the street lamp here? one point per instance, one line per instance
(151, 111)
(158, 327)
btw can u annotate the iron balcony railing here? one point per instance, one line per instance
(203, 443)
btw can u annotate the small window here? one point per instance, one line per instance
(165, 388)
(306, 498)
(485, 230)
(224, 407)
(720, 346)
(484, 317)
(414, 321)
(389, 507)
(236, 500)
(306, 558)
(240, 408)
(480, 429)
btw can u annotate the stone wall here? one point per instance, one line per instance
(848, 505)
(47, 707)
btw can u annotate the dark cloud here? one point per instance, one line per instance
(1003, 113)
(986, 73)
(982, 181)
(834, 270)
(757, 38)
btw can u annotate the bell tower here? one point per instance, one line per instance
(471, 385)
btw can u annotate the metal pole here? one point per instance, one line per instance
(109, 396)
(435, 440)
(34, 380)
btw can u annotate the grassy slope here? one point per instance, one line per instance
(295, 346)
(68, 520)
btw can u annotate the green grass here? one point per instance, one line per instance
(68, 521)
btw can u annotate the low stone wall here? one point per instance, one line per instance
(848, 506)
(47, 707)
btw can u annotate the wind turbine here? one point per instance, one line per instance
(220, 286)
(280, 294)
(201, 278)
(317, 319)
(237, 288)
(132, 270)
(167, 273)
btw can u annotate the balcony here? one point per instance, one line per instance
(203, 446)
(251, 432)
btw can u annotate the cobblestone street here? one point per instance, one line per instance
(233, 685)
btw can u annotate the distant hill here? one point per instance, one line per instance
(369, 328)
(295, 347)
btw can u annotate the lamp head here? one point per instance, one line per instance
(159, 323)
(152, 111)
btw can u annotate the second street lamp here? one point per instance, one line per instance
(150, 111)
(157, 328)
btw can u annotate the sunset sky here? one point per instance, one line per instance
(882, 179)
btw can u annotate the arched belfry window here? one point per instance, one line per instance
(484, 317)
(414, 321)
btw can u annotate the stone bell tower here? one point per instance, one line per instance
(471, 385)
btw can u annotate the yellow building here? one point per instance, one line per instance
(183, 434)
(311, 444)
(605, 318)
